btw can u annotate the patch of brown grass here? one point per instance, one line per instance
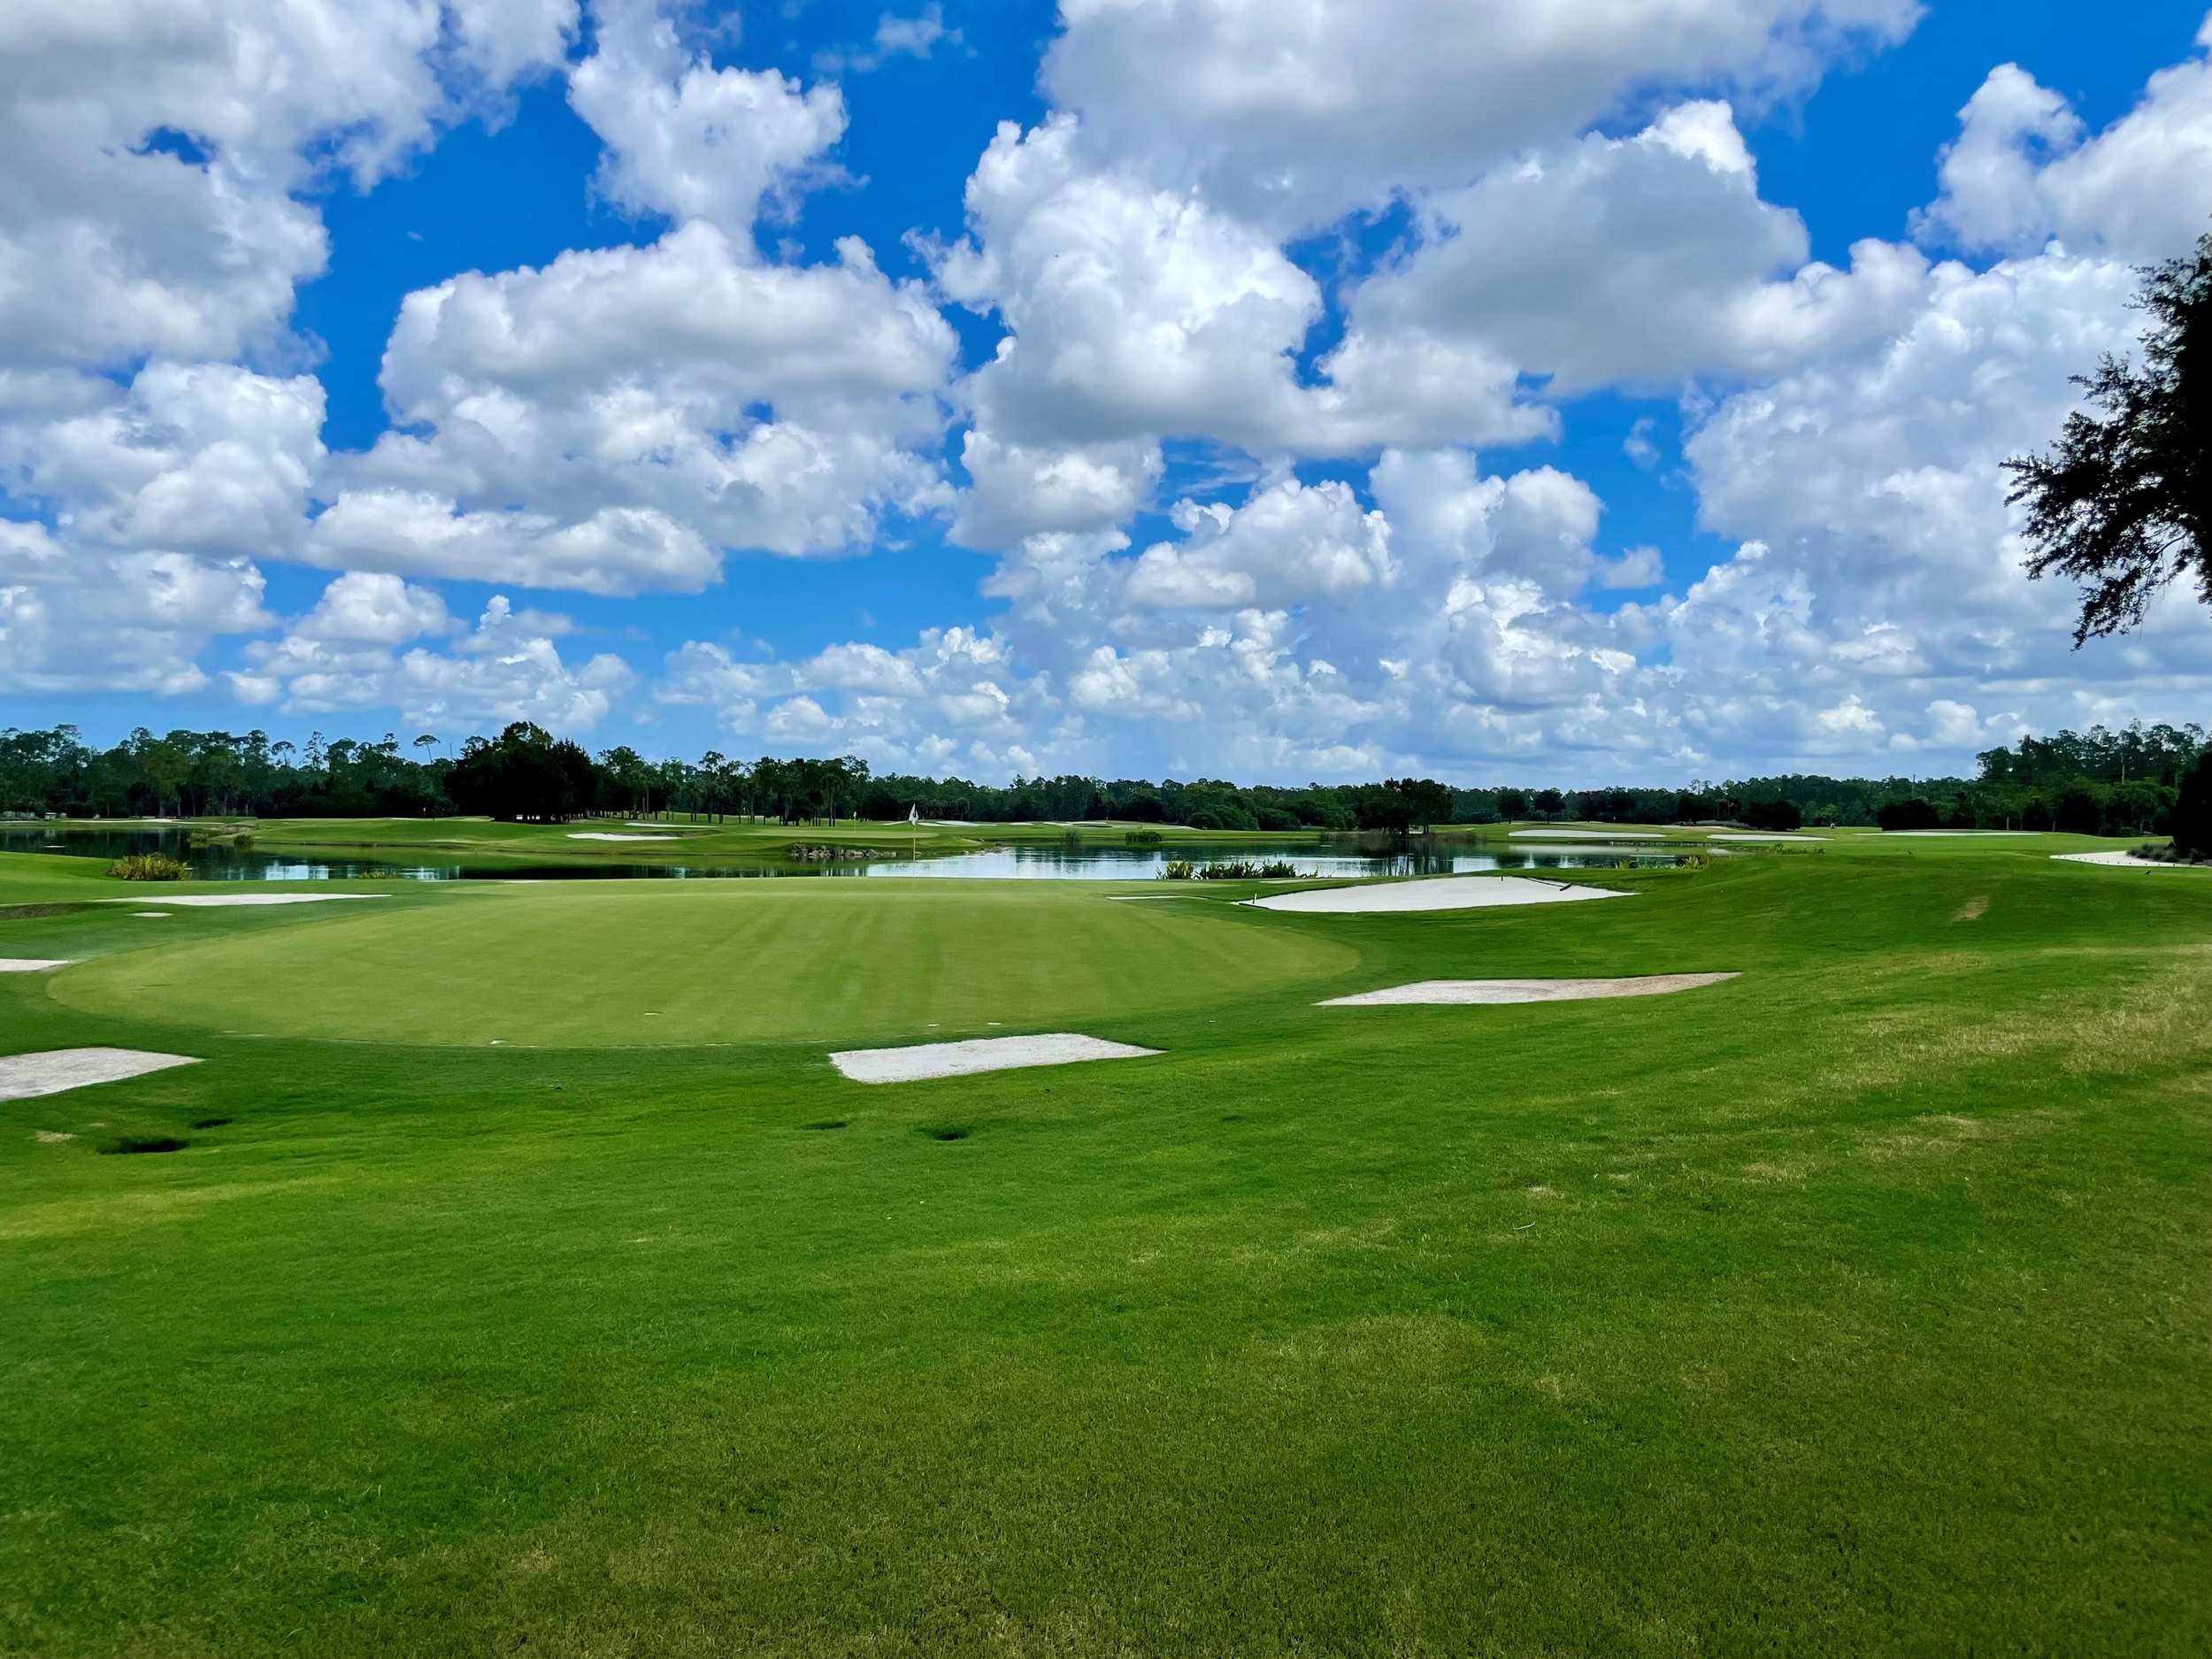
(87, 1213)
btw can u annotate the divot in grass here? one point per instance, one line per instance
(144, 1143)
(26, 1076)
(927, 1060)
(1485, 993)
(1438, 893)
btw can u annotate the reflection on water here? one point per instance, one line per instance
(1021, 864)
(1129, 863)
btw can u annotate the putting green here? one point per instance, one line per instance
(607, 963)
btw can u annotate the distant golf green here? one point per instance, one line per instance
(616, 963)
(1856, 1305)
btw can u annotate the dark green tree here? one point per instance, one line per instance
(2122, 502)
(2193, 811)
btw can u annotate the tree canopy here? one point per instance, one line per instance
(2122, 502)
(2120, 782)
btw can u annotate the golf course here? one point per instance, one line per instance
(521, 1275)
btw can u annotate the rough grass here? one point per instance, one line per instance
(1858, 1308)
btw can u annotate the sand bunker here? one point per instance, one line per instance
(2118, 860)
(211, 901)
(154, 916)
(979, 1053)
(32, 964)
(1739, 835)
(616, 835)
(23, 1076)
(1438, 893)
(1587, 835)
(1469, 993)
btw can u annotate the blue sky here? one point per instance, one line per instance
(1404, 386)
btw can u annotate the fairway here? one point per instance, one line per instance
(1853, 1304)
(625, 963)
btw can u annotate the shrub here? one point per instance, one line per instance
(1141, 838)
(150, 867)
(1245, 870)
(1178, 870)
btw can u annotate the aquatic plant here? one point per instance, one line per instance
(150, 867)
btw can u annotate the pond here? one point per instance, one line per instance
(1021, 864)
(1136, 864)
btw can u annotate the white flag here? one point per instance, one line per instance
(914, 815)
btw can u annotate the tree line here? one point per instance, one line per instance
(2099, 781)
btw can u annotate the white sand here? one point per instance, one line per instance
(2120, 861)
(1588, 835)
(1435, 893)
(979, 1053)
(154, 916)
(612, 835)
(33, 964)
(213, 901)
(1739, 835)
(23, 1076)
(1463, 993)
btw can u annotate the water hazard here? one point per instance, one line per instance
(1061, 862)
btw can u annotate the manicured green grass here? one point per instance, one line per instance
(1856, 1306)
(605, 963)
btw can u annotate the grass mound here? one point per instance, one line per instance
(572, 965)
